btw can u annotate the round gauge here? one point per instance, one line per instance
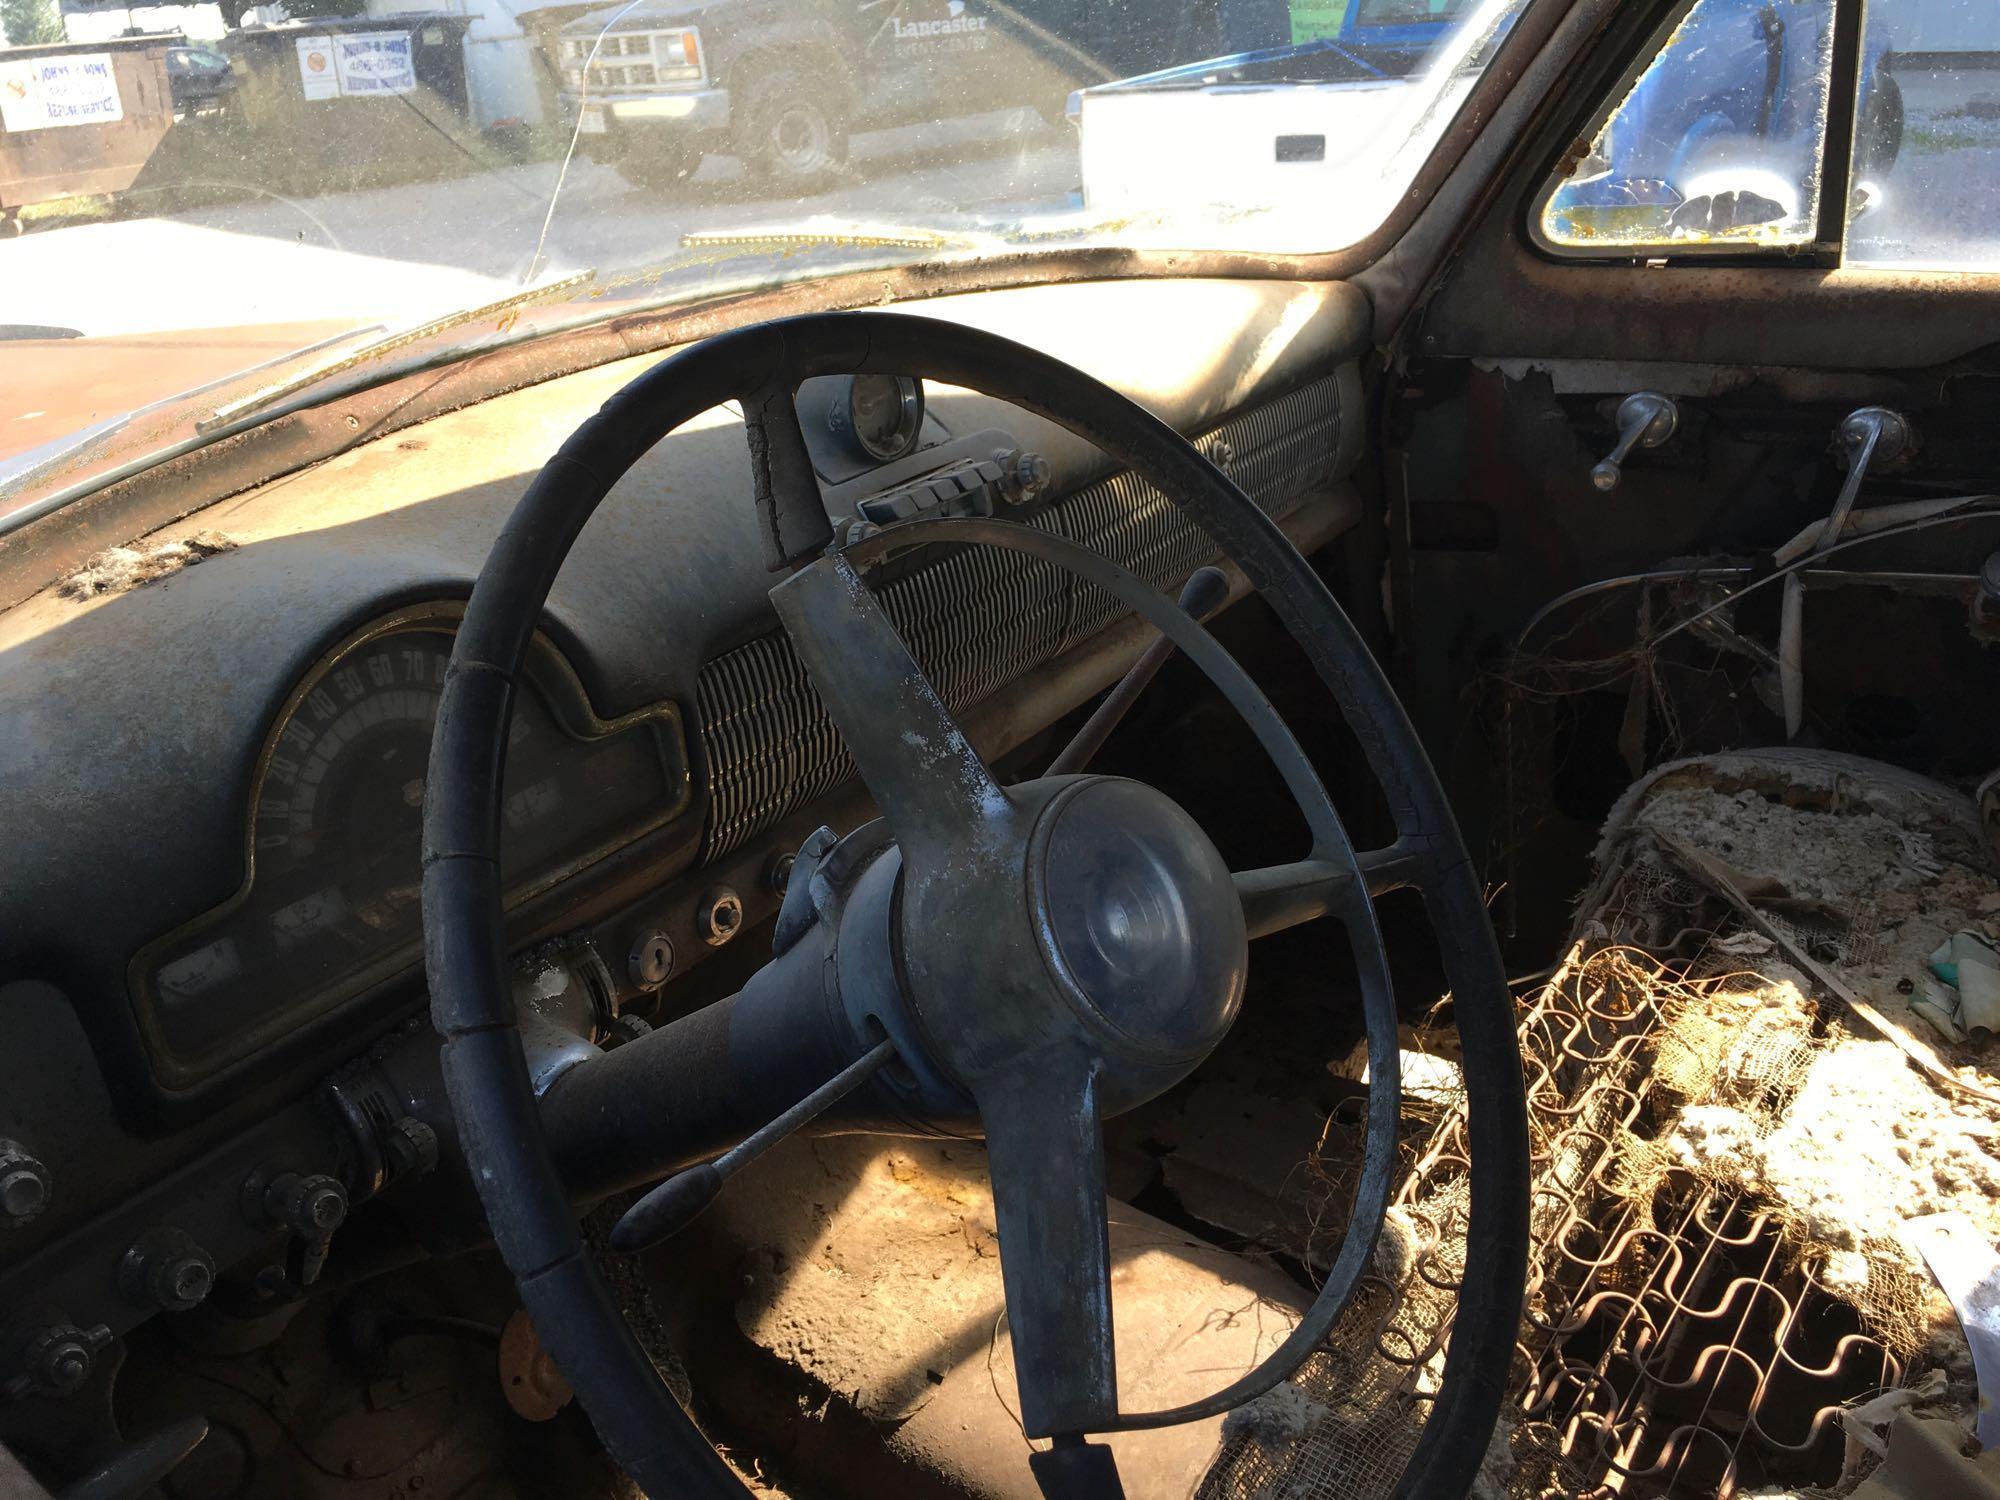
(337, 881)
(887, 414)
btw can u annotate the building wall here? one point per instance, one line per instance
(1939, 25)
(499, 59)
(100, 22)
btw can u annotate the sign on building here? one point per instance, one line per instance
(38, 93)
(376, 62)
(360, 63)
(316, 68)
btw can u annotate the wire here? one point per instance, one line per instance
(1854, 541)
(575, 135)
(1624, 580)
(1694, 574)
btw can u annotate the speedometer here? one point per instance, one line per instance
(331, 903)
(333, 814)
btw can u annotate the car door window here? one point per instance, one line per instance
(1927, 138)
(1718, 141)
(1405, 12)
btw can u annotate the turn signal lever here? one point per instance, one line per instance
(1646, 419)
(677, 1202)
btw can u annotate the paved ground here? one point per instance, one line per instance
(170, 303)
(390, 254)
(295, 271)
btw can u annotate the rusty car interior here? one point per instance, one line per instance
(1308, 873)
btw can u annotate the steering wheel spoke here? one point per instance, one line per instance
(791, 514)
(1277, 897)
(1045, 1151)
(936, 792)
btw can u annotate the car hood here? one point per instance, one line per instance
(639, 17)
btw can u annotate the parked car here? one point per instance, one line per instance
(200, 77)
(1717, 136)
(1252, 124)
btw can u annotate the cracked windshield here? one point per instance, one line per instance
(213, 212)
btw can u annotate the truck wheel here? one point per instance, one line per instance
(1881, 128)
(658, 171)
(791, 136)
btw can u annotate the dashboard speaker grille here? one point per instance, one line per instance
(980, 618)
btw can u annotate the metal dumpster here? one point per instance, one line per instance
(333, 103)
(79, 117)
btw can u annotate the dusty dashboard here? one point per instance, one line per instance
(328, 915)
(638, 812)
(209, 913)
(329, 907)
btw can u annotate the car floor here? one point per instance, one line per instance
(1765, 1131)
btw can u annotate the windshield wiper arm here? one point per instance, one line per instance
(299, 380)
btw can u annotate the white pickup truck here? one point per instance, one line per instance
(1313, 131)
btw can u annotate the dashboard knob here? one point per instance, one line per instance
(1024, 475)
(168, 1270)
(626, 1028)
(312, 1207)
(57, 1360)
(24, 1184)
(411, 1146)
(719, 916)
(778, 875)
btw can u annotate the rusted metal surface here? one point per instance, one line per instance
(1505, 299)
(106, 156)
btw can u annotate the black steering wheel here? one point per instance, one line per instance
(1036, 957)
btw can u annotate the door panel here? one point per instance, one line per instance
(1507, 394)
